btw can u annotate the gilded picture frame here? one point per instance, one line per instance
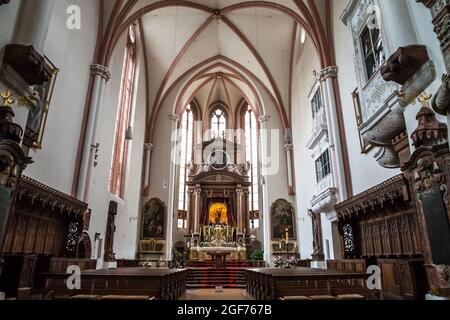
(41, 120)
(153, 223)
(365, 146)
(282, 216)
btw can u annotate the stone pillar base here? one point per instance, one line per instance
(319, 265)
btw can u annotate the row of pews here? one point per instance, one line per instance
(307, 284)
(118, 284)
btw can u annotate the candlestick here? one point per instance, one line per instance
(287, 235)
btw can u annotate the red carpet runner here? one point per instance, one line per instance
(202, 275)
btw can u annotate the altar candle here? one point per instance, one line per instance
(287, 235)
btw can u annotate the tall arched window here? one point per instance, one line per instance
(251, 155)
(120, 146)
(218, 123)
(186, 146)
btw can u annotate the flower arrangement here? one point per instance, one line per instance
(286, 263)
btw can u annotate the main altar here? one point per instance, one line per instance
(218, 190)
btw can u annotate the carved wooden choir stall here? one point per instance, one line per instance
(46, 225)
(403, 224)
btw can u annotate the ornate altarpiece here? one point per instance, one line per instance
(218, 214)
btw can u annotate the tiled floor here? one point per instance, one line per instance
(211, 294)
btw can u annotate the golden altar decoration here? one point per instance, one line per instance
(218, 214)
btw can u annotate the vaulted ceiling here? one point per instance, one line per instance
(219, 50)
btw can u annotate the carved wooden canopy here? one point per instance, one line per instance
(47, 196)
(391, 190)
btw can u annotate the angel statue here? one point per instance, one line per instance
(246, 168)
(191, 169)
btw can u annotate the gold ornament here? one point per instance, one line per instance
(8, 98)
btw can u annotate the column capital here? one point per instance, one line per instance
(149, 146)
(174, 117)
(264, 118)
(329, 72)
(102, 71)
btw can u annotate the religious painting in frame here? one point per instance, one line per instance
(153, 220)
(36, 98)
(282, 217)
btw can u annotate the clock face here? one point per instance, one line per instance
(218, 159)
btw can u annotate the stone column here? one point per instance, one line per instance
(240, 210)
(101, 76)
(189, 217)
(396, 20)
(197, 208)
(171, 206)
(288, 148)
(246, 211)
(265, 213)
(148, 148)
(33, 24)
(326, 80)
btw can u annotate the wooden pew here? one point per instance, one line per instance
(353, 265)
(163, 284)
(272, 284)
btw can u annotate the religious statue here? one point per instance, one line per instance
(191, 169)
(110, 231)
(232, 168)
(204, 167)
(317, 236)
(246, 168)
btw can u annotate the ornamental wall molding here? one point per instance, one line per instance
(325, 202)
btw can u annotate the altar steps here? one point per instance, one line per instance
(206, 278)
(210, 264)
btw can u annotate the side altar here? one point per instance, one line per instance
(218, 215)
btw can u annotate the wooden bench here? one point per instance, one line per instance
(163, 284)
(351, 265)
(272, 284)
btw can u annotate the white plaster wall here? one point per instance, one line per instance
(365, 171)
(8, 16)
(424, 29)
(127, 219)
(72, 51)
(303, 80)
(99, 195)
(277, 185)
